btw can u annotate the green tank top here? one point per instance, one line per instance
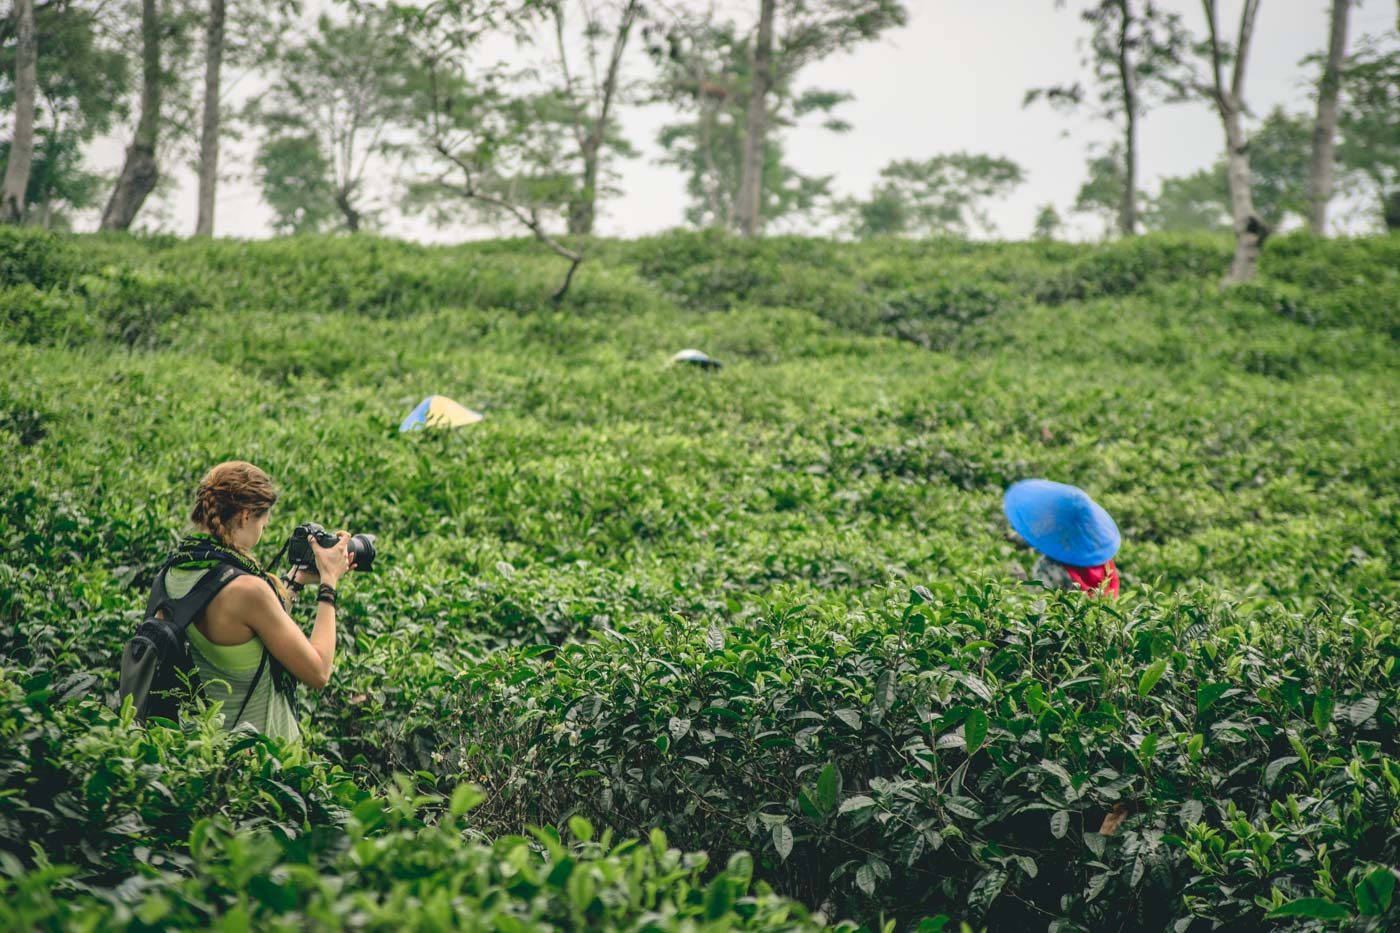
(227, 671)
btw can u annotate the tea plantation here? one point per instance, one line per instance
(768, 616)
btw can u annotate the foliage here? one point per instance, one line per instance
(1047, 222)
(155, 826)
(1278, 169)
(329, 119)
(1102, 192)
(706, 73)
(772, 610)
(941, 196)
(1370, 124)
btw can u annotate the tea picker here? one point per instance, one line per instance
(1076, 538)
(693, 357)
(439, 411)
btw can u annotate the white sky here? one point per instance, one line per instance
(952, 79)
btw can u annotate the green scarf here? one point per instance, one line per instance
(192, 550)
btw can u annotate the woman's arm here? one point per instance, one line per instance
(310, 660)
(250, 601)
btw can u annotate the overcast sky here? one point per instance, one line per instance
(952, 79)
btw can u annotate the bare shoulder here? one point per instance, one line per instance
(246, 594)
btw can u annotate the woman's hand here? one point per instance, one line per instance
(332, 562)
(302, 576)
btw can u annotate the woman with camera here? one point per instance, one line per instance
(248, 652)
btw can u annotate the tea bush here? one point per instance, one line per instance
(771, 613)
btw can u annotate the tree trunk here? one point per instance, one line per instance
(140, 171)
(1250, 230)
(209, 137)
(347, 210)
(584, 211)
(1325, 128)
(1127, 210)
(1390, 210)
(22, 144)
(750, 201)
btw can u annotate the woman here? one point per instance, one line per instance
(1076, 538)
(248, 652)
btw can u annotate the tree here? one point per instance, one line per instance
(81, 91)
(1131, 42)
(591, 100)
(812, 30)
(1370, 125)
(1226, 94)
(296, 183)
(748, 210)
(337, 93)
(209, 135)
(1101, 194)
(21, 150)
(1047, 222)
(704, 73)
(140, 170)
(1279, 167)
(1278, 163)
(1325, 126)
(941, 196)
(487, 144)
(248, 42)
(1199, 201)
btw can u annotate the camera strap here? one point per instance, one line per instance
(262, 664)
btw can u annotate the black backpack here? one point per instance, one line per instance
(156, 666)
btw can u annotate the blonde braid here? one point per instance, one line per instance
(226, 490)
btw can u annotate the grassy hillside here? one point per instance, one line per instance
(772, 610)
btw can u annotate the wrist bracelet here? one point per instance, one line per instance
(326, 594)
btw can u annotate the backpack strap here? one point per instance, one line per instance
(262, 663)
(183, 611)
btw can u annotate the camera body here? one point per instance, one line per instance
(299, 553)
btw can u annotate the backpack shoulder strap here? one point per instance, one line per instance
(183, 611)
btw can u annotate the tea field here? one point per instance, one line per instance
(657, 648)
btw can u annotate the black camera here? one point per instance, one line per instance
(299, 553)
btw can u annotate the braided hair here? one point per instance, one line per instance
(226, 490)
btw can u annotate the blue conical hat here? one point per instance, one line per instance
(1061, 522)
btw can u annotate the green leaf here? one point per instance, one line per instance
(1374, 893)
(1191, 812)
(1207, 694)
(679, 728)
(714, 638)
(828, 788)
(719, 898)
(1276, 767)
(1358, 712)
(858, 802)
(884, 691)
(464, 797)
(975, 730)
(850, 717)
(581, 828)
(1151, 676)
(1058, 770)
(1322, 709)
(1059, 823)
(782, 840)
(1318, 908)
(865, 879)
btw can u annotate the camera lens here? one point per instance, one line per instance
(361, 548)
